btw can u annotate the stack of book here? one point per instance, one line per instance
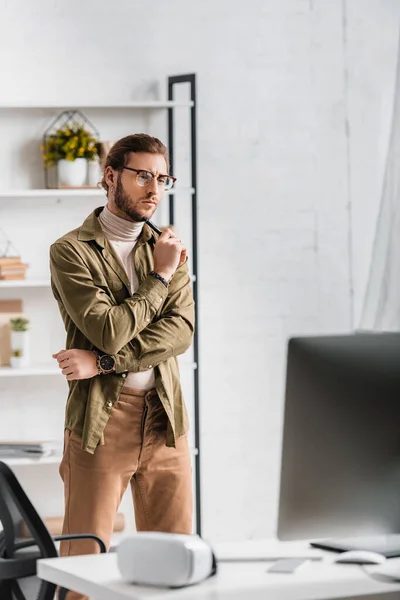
(11, 267)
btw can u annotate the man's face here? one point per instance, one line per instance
(137, 202)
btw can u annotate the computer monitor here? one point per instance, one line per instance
(340, 471)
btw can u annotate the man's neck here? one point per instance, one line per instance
(119, 213)
(117, 228)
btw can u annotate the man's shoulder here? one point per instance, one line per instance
(68, 240)
(69, 244)
(71, 237)
(78, 237)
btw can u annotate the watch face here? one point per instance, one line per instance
(107, 362)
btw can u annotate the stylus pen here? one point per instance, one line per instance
(153, 227)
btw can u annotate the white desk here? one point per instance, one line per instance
(98, 577)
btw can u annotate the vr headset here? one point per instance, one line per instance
(165, 559)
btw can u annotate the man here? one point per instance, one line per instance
(125, 298)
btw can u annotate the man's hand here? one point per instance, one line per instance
(77, 364)
(170, 229)
(169, 253)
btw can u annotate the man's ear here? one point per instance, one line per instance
(110, 176)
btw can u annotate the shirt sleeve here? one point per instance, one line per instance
(170, 335)
(109, 327)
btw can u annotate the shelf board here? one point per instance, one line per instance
(30, 371)
(53, 370)
(39, 283)
(134, 104)
(53, 193)
(187, 364)
(73, 193)
(54, 459)
(24, 283)
(32, 283)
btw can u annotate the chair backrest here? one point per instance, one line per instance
(15, 510)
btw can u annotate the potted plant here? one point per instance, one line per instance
(70, 147)
(19, 342)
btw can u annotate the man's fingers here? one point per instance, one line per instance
(167, 234)
(183, 257)
(61, 355)
(176, 242)
(65, 361)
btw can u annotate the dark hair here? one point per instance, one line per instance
(138, 142)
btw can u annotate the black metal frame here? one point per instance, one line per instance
(172, 82)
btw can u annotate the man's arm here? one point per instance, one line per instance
(170, 335)
(109, 327)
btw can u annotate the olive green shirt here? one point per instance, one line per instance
(147, 329)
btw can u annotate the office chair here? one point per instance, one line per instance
(18, 557)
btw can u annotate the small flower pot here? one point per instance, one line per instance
(20, 349)
(72, 173)
(17, 362)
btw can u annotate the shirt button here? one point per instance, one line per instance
(123, 375)
(150, 366)
(160, 300)
(109, 404)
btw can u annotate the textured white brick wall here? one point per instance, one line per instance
(277, 171)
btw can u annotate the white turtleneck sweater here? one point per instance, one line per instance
(123, 235)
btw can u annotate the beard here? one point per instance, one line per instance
(125, 203)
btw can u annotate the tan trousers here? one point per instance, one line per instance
(134, 453)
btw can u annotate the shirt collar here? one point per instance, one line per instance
(91, 230)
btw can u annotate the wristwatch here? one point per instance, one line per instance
(159, 277)
(105, 363)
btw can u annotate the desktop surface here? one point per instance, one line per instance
(98, 576)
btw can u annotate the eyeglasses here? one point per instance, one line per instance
(145, 178)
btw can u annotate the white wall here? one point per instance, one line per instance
(277, 171)
(371, 57)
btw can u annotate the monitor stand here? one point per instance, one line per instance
(388, 545)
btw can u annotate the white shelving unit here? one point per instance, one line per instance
(137, 104)
(18, 200)
(42, 370)
(34, 371)
(34, 283)
(25, 283)
(54, 459)
(53, 193)
(73, 193)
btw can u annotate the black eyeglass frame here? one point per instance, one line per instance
(152, 174)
